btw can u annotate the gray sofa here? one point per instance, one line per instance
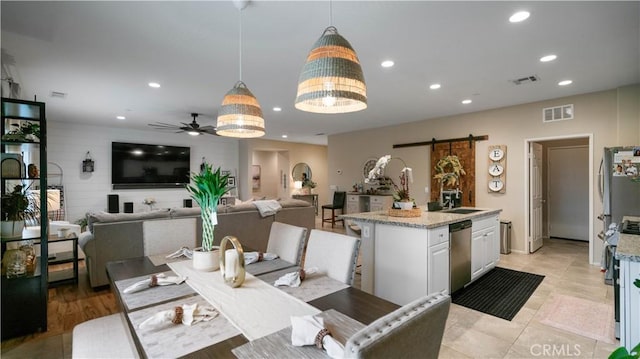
(120, 236)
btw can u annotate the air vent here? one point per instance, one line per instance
(526, 80)
(558, 113)
(58, 94)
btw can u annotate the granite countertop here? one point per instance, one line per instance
(426, 220)
(629, 244)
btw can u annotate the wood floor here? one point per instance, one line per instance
(69, 305)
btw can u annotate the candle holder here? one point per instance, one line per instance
(232, 262)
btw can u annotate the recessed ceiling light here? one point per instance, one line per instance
(277, 109)
(466, 102)
(155, 85)
(387, 63)
(548, 58)
(565, 82)
(121, 117)
(519, 16)
(434, 86)
(284, 136)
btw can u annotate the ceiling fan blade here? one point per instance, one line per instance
(207, 128)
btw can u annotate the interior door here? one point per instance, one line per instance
(535, 196)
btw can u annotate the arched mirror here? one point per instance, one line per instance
(299, 170)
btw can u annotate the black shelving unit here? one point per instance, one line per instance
(24, 299)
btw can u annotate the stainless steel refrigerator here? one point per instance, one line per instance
(619, 187)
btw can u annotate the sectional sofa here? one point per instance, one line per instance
(128, 235)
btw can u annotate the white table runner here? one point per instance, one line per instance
(255, 308)
(314, 286)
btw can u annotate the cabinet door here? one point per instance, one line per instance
(492, 248)
(629, 304)
(438, 272)
(477, 254)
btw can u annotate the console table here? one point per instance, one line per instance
(311, 198)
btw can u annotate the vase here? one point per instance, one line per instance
(206, 261)
(12, 229)
(404, 205)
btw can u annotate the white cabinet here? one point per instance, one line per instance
(380, 203)
(438, 271)
(629, 304)
(353, 203)
(485, 245)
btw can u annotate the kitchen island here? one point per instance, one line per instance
(404, 258)
(628, 252)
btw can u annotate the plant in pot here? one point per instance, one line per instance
(16, 208)
(448, 171)
(208, 187)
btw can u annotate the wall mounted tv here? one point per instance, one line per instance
(135, 165)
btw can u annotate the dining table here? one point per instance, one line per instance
(319, 293)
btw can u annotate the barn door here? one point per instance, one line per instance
(466, 152)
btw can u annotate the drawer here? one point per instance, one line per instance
(353, 198)
(376, 207)
(377, 200)
(484, 223)
(438, 235)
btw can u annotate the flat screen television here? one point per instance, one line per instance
(136, 165)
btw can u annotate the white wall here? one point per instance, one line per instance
(84, 192)
(604, 114)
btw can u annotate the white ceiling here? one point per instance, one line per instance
(103, 54)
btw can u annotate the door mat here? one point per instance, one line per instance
(501, 292)
(580, 316)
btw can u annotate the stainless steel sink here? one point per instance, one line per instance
(462, 210)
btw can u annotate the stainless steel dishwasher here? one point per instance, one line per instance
(460, 254)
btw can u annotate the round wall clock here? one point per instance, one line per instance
(368, 166)
(496, 154)
(496, 169)
(496, 184)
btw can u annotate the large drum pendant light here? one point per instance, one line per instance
(240, 114)
(331, 80)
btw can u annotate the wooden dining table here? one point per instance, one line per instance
(350, 301)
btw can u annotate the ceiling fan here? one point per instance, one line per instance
(193, 128)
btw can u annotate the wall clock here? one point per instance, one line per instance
(497, 168)
(368, 166)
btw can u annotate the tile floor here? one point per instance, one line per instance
(471, 334)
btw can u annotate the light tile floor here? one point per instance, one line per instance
(471, 334)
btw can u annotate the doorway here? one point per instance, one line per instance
(559, 195)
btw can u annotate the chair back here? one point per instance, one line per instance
(339, 199)
(414, 330)
(334, 254)
(287, 241)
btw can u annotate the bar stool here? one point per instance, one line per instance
(338, 203)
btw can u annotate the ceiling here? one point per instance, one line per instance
(102, 55)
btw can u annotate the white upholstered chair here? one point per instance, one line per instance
(287, 241)
(104, 337)
(414, 330)
(334, 254)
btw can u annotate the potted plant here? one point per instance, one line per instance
(208, 187)
(16, 208)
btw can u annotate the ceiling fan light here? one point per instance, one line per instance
(240, 115)
(331, 80)
(193, 133)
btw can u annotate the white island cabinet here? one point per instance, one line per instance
(628, 252)
(485, 245)
(404, 258)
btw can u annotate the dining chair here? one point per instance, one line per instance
(287, 241)
(414, 330)
(104, 337)
(334, 254)
(339, 198)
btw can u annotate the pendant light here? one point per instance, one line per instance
(240, 115)
(331, 80)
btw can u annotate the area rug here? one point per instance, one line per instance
(580, 316)
(501, 292)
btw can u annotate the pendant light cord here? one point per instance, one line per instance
(330, 12)
(240, 46)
